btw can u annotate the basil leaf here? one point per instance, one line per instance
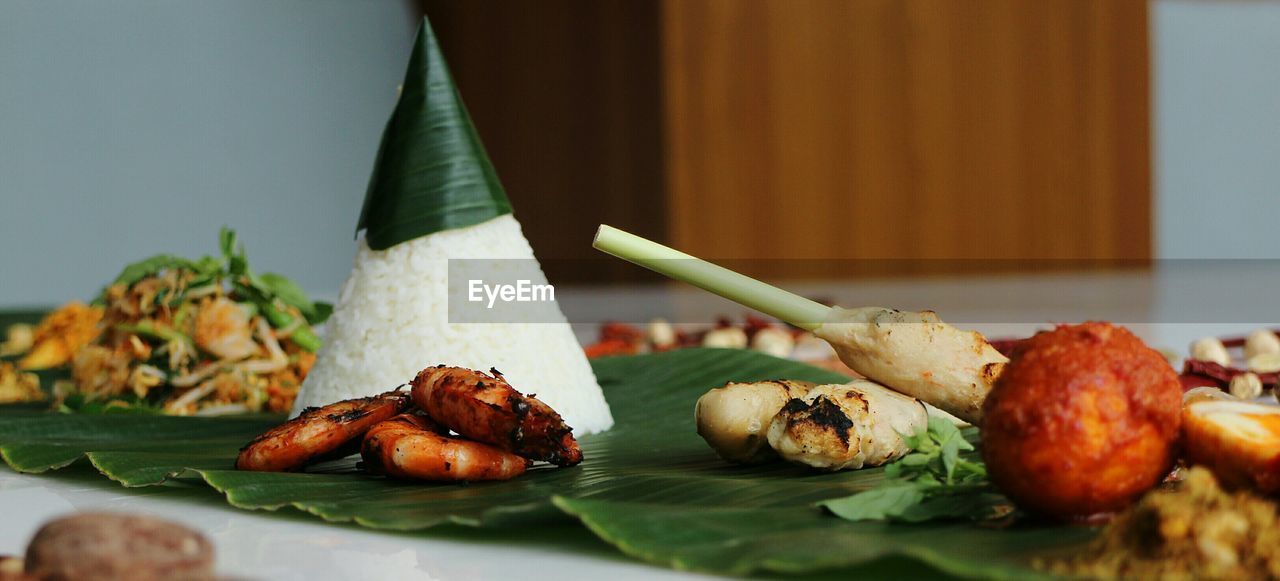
(875, 504)
(942, 430)
(951, 455)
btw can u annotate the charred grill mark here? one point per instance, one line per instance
(348, 416)
(520, 408)
(862, 400)
(372, 456)
(824, 414)
(991, 371)
(795, 405)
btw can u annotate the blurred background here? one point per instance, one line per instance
(941, 138)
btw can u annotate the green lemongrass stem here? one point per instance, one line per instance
(738, 288)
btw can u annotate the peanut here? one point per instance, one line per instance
(774, 341)
(1211, 349)
(1264, 363)
(728, 337)
(1245, 386)
(1260, 342)
(661, 333)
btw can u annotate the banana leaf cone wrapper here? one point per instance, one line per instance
(435, 197)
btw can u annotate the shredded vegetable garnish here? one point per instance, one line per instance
(178, 336)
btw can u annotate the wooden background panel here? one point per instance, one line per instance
(907, 129)
(566, 96)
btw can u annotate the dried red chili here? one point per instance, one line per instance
(1196, 373)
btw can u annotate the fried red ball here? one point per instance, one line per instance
(1082, 421)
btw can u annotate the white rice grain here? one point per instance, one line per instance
(391, 321)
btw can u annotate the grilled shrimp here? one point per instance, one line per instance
(223, 328)
(413, 446)
(318, 432)
(486, 408)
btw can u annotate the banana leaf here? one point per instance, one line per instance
(431, 172)
(649, 487)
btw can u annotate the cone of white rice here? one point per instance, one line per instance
(434, 197)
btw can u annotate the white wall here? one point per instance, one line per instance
(1216, 97)
(134, 127)
(1216, 91)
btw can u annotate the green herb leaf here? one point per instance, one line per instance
(323, 311)
(431, 173)
(291, 294)
(916, 459)
(876, 504)
(141, 269)
(237, 263)
(934, 481)
(227, 241)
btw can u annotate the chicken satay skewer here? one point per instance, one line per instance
(913, 353)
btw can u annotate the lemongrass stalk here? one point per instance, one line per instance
(738, 288)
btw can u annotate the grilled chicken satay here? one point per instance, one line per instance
(1238, 440)
(911, 352)
(917, 354)
(734, 419)
(837, 427)
(318, 432)
(486, 408)
(413, 446)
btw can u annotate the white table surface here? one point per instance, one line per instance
(291, 545)
(261, 545)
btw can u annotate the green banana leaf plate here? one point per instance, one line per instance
(650, 487)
